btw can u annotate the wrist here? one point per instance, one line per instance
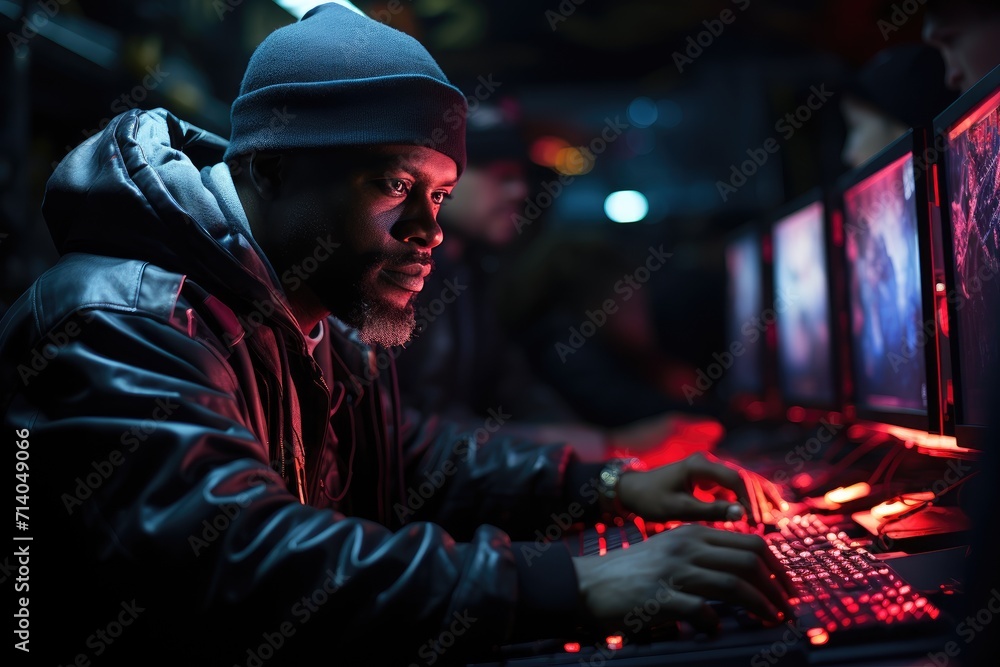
(610, 484)
(626, 492)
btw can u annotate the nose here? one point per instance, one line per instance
(419, 225)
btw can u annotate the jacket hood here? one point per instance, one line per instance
(141, 189)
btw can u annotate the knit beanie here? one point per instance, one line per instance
(905, 82)
(340, 78)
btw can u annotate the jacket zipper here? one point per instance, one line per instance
(322, 444)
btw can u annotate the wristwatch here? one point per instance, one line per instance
(610, 477)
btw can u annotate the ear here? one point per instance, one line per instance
(266, 171)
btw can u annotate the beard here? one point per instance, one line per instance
(378, 321)
(381, 323)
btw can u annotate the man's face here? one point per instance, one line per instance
(969, 42)
(380, 204)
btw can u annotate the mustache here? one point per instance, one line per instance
(404, 259)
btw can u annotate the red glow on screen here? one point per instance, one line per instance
(571, 647)
(974, 116)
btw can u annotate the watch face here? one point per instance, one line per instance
(612, 473)
(609, 479)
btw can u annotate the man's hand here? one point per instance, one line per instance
(668, 493)
(681, 570)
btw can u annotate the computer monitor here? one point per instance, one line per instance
(969, 191)
(891, 326)
(745, 326)
(801, 302)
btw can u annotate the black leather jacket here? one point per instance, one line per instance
(204, 489)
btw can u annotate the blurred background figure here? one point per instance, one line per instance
(901, 87)
(618, 373)
(967, 33)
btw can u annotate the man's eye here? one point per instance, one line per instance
(441, 197)
(397, 187)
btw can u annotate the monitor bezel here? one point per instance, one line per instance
(816, 194)
(972, 436)
(759, 230)
(912, 141)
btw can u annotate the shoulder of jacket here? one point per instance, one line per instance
(84, 282)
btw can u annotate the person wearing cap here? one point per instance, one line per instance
(899, 88)
(221, 472)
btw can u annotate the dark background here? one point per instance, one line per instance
(564, 78)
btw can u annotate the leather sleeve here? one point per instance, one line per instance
(462, 476)
(154, 490)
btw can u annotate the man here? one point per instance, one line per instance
(967, 33)
(219, 471)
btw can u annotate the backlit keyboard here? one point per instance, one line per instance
(603, 537)
(842, 591)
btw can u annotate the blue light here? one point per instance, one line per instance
(642, 112)
(626, 206)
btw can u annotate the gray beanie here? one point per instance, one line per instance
(339, 78)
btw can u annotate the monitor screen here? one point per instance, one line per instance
(973, 187)
(886, 312)
(802, 307)
(745, 303)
